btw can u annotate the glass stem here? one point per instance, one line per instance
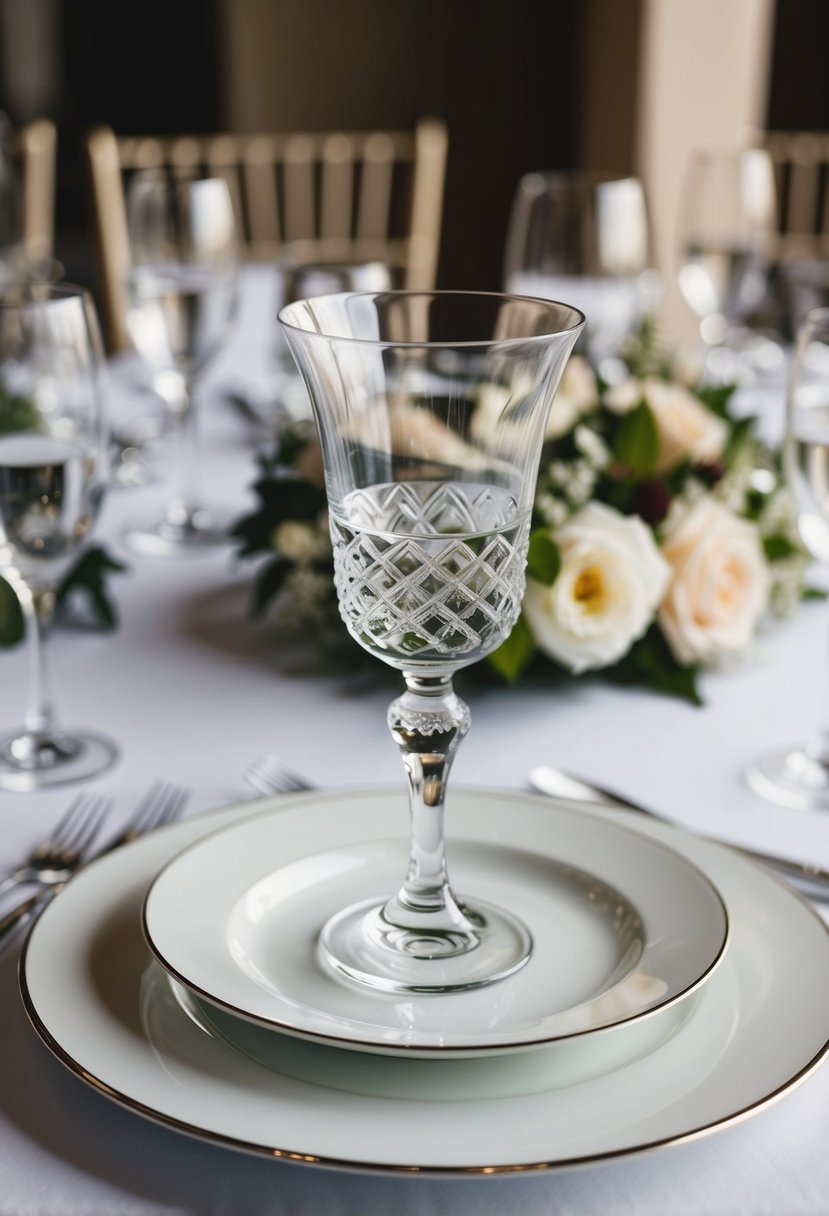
(817, 749)
(38, 611)
(428, 722)
(187, 500)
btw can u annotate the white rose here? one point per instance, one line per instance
(611, 581)
(577, 393)
(687, 429)
(719, 585)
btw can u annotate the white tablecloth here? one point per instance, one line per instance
(193, 692)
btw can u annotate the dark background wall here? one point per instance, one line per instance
(522, 85)
(503, 75)
(799, 86)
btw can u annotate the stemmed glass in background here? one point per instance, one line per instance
(300, 279)
(431, 409)
(53, 471)
(181, 294)
(728, 218)
(584, 237)
(799, 775)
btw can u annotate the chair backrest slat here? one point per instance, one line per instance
(337, 188)
(375, 188)
(262, 196)
(298, 188)
(35, 148)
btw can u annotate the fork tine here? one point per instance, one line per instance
(268, 772)
(163, 801)
(66, 825)
(95, 809)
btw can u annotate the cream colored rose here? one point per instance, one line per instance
(611, 581)
(687, 429)
(719, 584)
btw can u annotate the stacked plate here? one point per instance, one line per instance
(673, 988)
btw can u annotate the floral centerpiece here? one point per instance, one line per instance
(663, 533)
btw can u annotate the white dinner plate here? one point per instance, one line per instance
(759, 1027)
(624, 928)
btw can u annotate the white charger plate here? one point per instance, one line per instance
(623, 927)
(759, 1028)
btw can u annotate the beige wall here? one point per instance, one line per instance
(704, 68)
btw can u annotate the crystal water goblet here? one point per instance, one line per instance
(798, 775)
(53, 473)
(431, 408)
(181, 295)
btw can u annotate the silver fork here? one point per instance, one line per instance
(269, 775)
(162, 803)
(56, 857)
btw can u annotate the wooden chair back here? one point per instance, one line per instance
(34, 152)
(332, 195)
(801, 164)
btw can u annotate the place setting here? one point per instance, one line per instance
(536, 984)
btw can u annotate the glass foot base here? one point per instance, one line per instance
(191, 533)
(32, 761)
(362, 945)
(791, 777)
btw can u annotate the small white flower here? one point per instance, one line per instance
(297, 540)
(552, 510)
(592, 447)
(719, 585)
(611, 580)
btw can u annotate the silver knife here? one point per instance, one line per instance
(812, 879)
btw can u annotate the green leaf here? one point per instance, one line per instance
(813, 593)
(777, 546)
(267, 584)
(650, 664)
(12, 627)
(636, 445)
(716, 397)
(86, 584)
(741, 434)
(515, 653)
(543, 558)
(17, 414)
(280, 499)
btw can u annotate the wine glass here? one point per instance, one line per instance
(181, 293)
(584, 237)
(728, 217)
(799, 775)
(301, 277)
(431, 408)
(53, 471)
